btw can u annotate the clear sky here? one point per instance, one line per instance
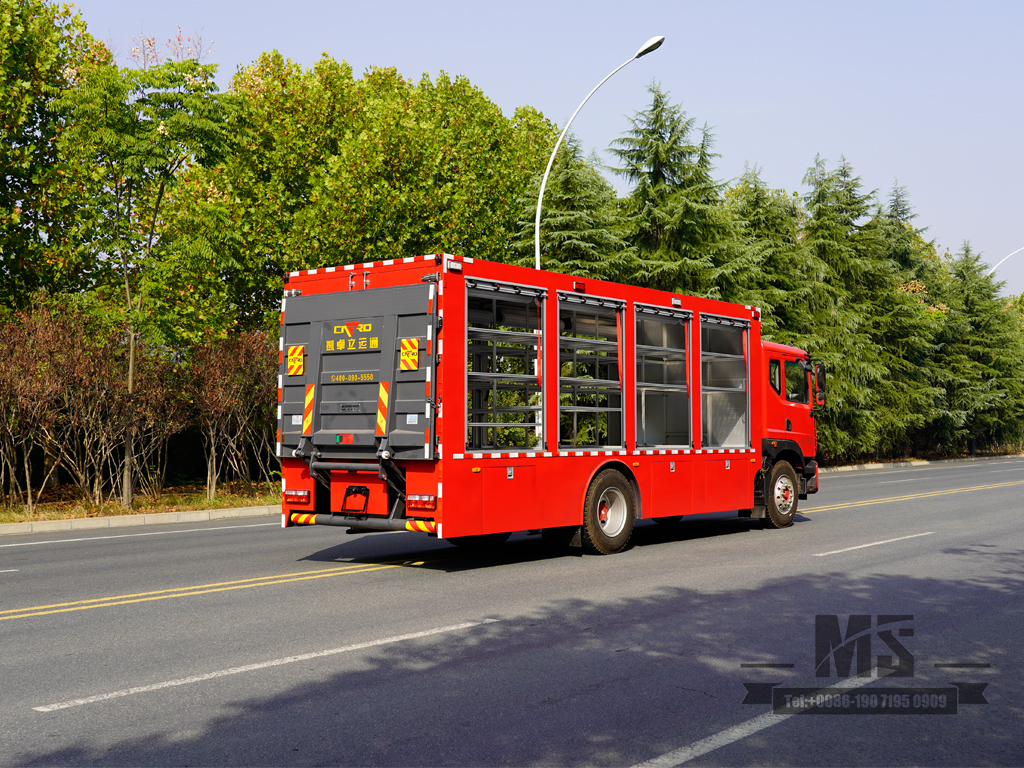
(926, 93)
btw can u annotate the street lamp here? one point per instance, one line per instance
(651, 45)
(1004, 259)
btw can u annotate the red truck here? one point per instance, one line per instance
(468, 399)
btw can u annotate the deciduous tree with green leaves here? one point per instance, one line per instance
(131, 134)
(42, 45)
(333, 169)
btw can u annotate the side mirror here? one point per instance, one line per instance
(819, 384)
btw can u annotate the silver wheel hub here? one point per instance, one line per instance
(611, 512)
(785, 494)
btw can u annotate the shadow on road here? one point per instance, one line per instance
(379, 549)
(599, 682)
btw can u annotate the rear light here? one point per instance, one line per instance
(421, 502)
(296, 497)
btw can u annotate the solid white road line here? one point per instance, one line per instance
(1015, 469)
(873, 544)
(260, 665)
(10, 570)
(737, 732)
(887, 482)
(129, 535)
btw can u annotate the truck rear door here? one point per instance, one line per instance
(358, 370)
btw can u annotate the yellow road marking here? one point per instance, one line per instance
(925, 495)
(200, 589)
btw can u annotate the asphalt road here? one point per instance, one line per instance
(243, 644)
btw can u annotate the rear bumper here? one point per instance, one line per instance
(363, 524)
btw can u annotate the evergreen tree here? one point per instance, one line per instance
(836, 206)
(686, 240)
(901, 322)
(578, 220)
(773, 221)
(980, 361)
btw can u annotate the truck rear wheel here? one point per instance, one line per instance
(782, 496)
(608, 514)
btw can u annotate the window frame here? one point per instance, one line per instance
(706, 320)
(475, 288)
(600, 306)
(806, 383)
(662, 314)
(776, 382)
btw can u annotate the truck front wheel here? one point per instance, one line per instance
(782, 496)
(608, 514)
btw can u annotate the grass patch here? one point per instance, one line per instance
(65, 503)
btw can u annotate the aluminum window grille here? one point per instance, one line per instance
(590, 382)
(662, 392)
(504, 367)
(725, 399)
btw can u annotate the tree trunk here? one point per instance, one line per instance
(211, 467)
(28, 480)
(129, 447)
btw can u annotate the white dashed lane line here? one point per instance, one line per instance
(260, 665)
(873, 544)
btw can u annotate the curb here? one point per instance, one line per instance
(914, 463)
(119, 521)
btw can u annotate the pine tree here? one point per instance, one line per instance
(980, 360)
(578, 219)
(836, 206)
(686, 240)
(772, 222)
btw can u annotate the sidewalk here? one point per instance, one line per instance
(914, 463)
(119, 521)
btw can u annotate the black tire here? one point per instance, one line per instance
(669, 520)
(783, 496)
(608, 514)
(479, 543)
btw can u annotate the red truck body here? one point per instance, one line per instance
(465, 398)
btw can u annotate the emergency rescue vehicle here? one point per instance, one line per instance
(469, 399)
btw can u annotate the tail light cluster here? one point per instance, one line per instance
(417, 501)
(296, 496)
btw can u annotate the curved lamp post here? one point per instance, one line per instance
(653, 44)
(1004, 259)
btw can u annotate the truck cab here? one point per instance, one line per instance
(795, 391)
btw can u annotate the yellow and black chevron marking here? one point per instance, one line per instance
(410, 355)
(296, 358)
(421, 526)
(382, 408)
(302, 518)
(307, 413)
